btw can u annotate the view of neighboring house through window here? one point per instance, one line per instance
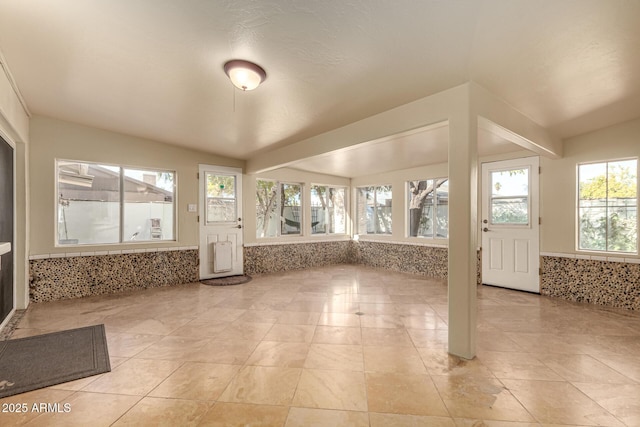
(328, 212)
(100, 204)
(608, 206)
(429, 208)
(278, 208)
(373, 206)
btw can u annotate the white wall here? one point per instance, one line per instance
(558, 186)
(14, 120)
(51, 139)
(14, 128)
(558, 180)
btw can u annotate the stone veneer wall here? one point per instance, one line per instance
(296, 256)
(615, 284)
(407, 258)
(57, 278)
(418, 259)
(609, 283)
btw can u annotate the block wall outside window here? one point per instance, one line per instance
(608, 206)
(103, 204)
(373, 206)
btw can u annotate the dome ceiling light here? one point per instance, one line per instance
(244, 75)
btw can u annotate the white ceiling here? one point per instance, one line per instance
(418, 147)
(153, 68)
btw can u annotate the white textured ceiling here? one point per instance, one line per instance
(153, 68)
(414, 148)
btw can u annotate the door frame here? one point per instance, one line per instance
(534, 215)
(5, 137)
(203, 251)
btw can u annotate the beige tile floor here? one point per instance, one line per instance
(290, 350)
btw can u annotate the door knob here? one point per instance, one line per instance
(239, 226)
(485, 229)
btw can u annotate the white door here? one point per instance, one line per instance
(510, 224)
(221, 252)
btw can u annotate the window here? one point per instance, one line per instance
(101, 204)
(278, 208)
(608, 206)
(429, 208)
(328, 212)
(509, 197)
(290, 208)
(374, 209)
(221, 198)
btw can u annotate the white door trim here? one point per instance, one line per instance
(503, 246)
(231, 231)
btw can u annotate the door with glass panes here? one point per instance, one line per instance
(220, 219)
(510, 224)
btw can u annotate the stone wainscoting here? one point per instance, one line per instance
(56, 278)
(595, 281)
(397, 256)
(417, 259)
(608, 282)
(260, 259)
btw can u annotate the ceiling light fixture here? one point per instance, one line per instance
(244, 75)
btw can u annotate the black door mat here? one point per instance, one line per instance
(40, 361)
(226, 281)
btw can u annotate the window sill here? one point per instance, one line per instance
(623, 258)
(301, 239)
(430, 244)
(112, 252)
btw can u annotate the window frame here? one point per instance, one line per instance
(375, 189)
(279, 184)
(434, 219)
(511, 225)
(121, 204)
(301, 209)
(236, 214)
(345, 209)
(578, 207)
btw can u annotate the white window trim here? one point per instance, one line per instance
(346, 212)
(235, 198)
(356, 222)
(122, 241)
(303, 220)
(577, 207)
(408, 218)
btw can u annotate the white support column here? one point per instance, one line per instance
(462, 233)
